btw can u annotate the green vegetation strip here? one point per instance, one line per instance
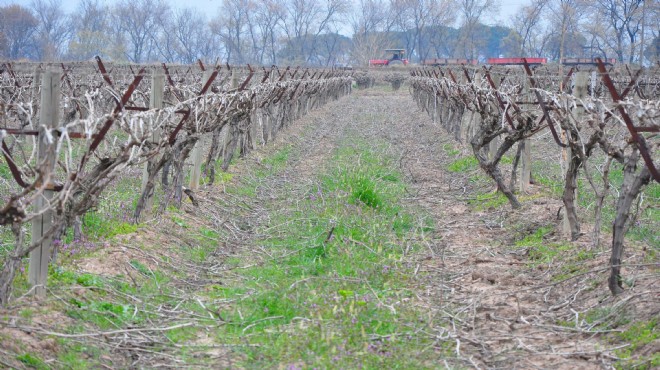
(337, 292)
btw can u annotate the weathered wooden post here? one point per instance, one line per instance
(495, 143)
(46, 157)
(231, 132)
(580, 91)
(155, 102)
(197, 153)
(466, 120)
(526, 154)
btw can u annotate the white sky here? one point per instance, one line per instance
(210, 7)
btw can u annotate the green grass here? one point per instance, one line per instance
(274, 163)
(638, 335)
(32, 361)
(489, 200)
(463, 164)
(97, 227)
(450, 150)
(542, 251)
(324, 300)
(5, 173)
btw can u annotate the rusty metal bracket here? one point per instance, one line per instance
(178, 127)
(266, 75)
(120, 106)
(634, 131)
(15, 172)
(209, 82)
(564, 82)
(539, 98)
(282, 75)
(103, 71)
(247, 80)
(167, 74)
(499, 99)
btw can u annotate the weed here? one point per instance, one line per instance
(463, 164)
(605, 318)
(489, 200)
(180, 222)
(274, 163)
(141, 268)
(364, 190)
(104, 315)
(26, 313)
(90, 280)
(450, 150)
(638, 335)
(32, 361)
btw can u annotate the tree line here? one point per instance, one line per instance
(313, 32)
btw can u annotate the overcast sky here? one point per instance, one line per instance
(210, 7)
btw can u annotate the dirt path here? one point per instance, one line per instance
(502, 313)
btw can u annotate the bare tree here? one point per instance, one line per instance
(191, 32)
(624, 21)
(90, 31)
(269, 15)
(527, 24)
(19, 26)
(305, 21)
(54, 29)
(472, 12)
(565, 16)
(370, 22)
(231, 24)
(139, 22)
(423, 17)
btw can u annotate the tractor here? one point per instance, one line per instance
(397, 59)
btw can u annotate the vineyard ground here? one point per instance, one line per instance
(364, 237)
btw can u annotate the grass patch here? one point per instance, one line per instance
(32, 361)
(488, 201)
(540, 250)
(463, 164)
(274, 163)
(638, 335)
(450, 150)
(328, 300)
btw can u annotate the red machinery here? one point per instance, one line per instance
(398, 58)
(586, 61)
(449, 61)
(517, 61)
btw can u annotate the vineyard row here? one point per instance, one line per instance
(67, 136)
(594, 122)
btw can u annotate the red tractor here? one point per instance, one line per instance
(397, 59)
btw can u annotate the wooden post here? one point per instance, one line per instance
(466, 120)
(46, 157)
(593, 83)
(197, 152)
(526, 155)
(230, 135)
(495, 143)
(155, 102)
(580, 91)
(475, 119)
